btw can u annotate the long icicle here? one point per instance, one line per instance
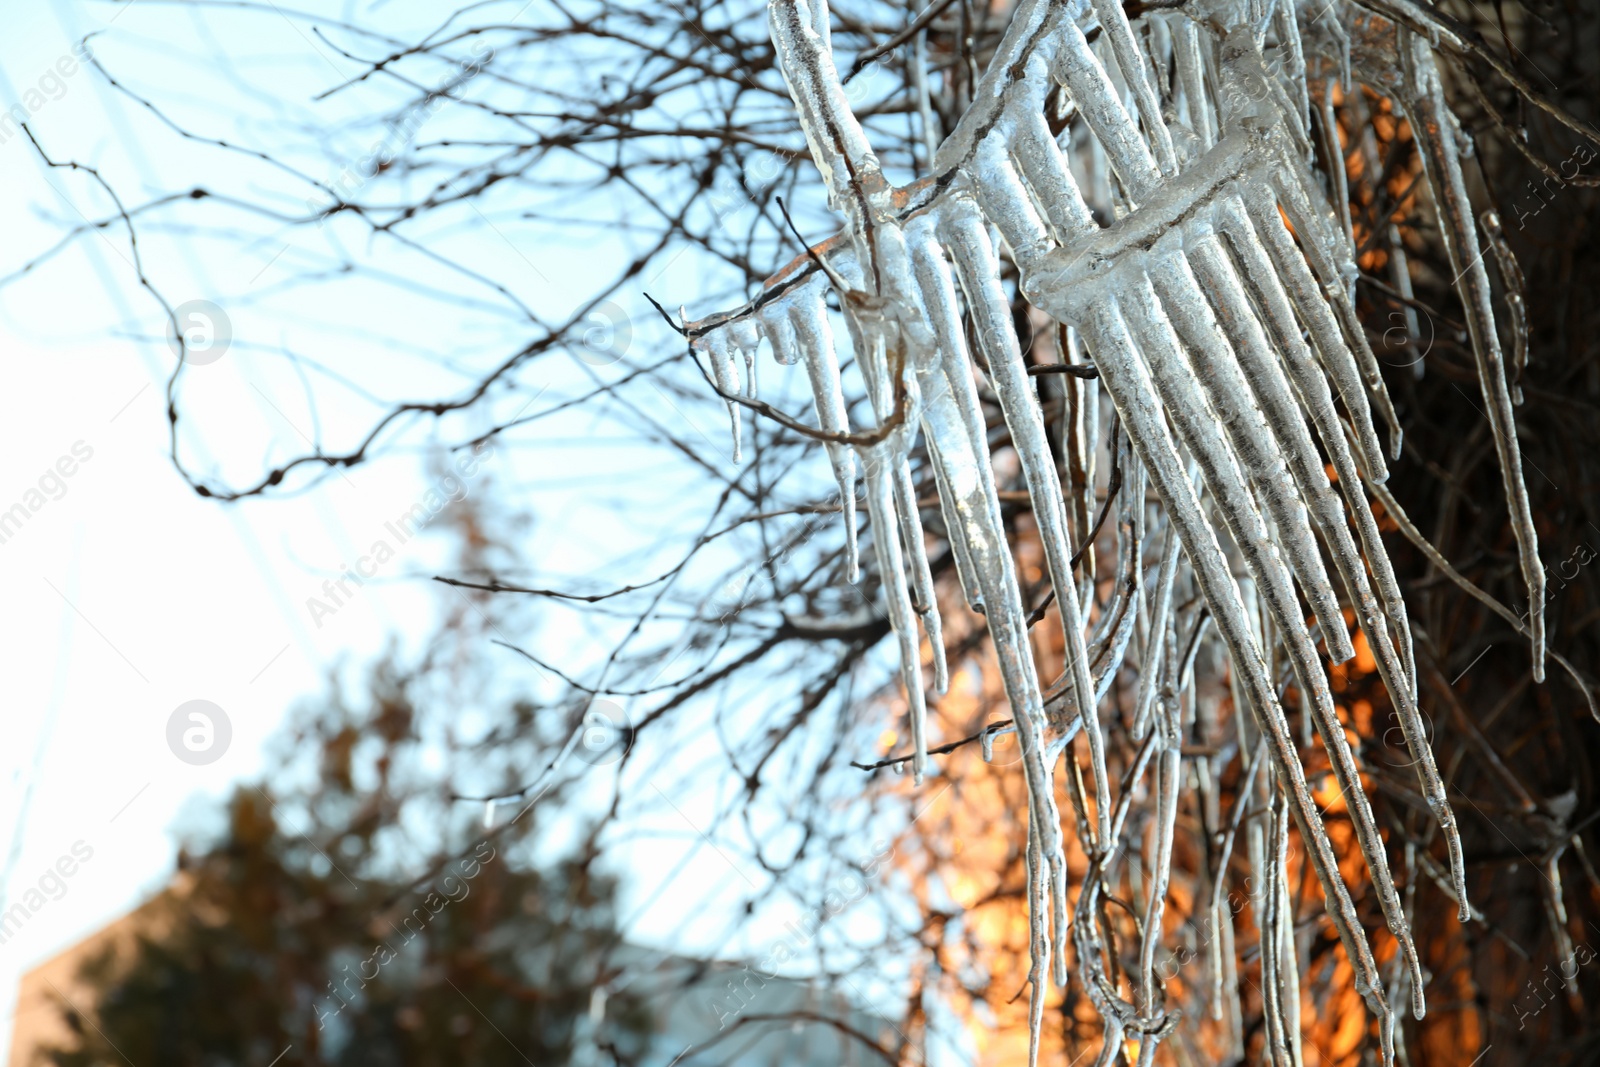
(1431, 123)
(1313, 391)
(980, 277)
(1268, 382)
(1312, 387)
(802, 324)
(1131, 390)
(1224, 349)
(1257, 450)
(1328, 339)
(1180, 394)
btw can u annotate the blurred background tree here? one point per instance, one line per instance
(299, 933)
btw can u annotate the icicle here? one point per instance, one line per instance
(1046, 171)
(808, 320)
(1313, 393)
(1433, 787)
(1114, 630)
(1149, 671)
(1135, 72)
(1398, 979)
(924, 599)
(1008, 205)
(1400, 276)
(746, 338)
(878, 463)
(1330, 261)
(975, 502)
(1130, 388)
(957, 534)
(1191, 76)
(1334, 150)
(1166, 804)
(1097, 99)
(1040, 159)
(1039, 946)
(1219, 884)
(937, 290)
(726, 374)
(1181, 397)
(1271, 937)
(1263, 93)
(1117, 621)
(775, 327)
(1310, 301)
(1289, 34)
(953, 424)
(1219, 325)
(1430, 122)
(980, 278)
(1343, 38)
(1288, 959)
(1027, 47)
(843, 154)
(1089, 399)
(881, 380)
(1234, 1007)
(1262, 460)
(1267, 289)
(1516, 303)
(1157, 48)
(970, 476)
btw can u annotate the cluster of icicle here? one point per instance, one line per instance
(1224, 342)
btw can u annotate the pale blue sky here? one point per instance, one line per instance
(130, 595)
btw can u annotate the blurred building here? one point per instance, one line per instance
(720, 1012)
(706, 1011)
(38, 1023)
